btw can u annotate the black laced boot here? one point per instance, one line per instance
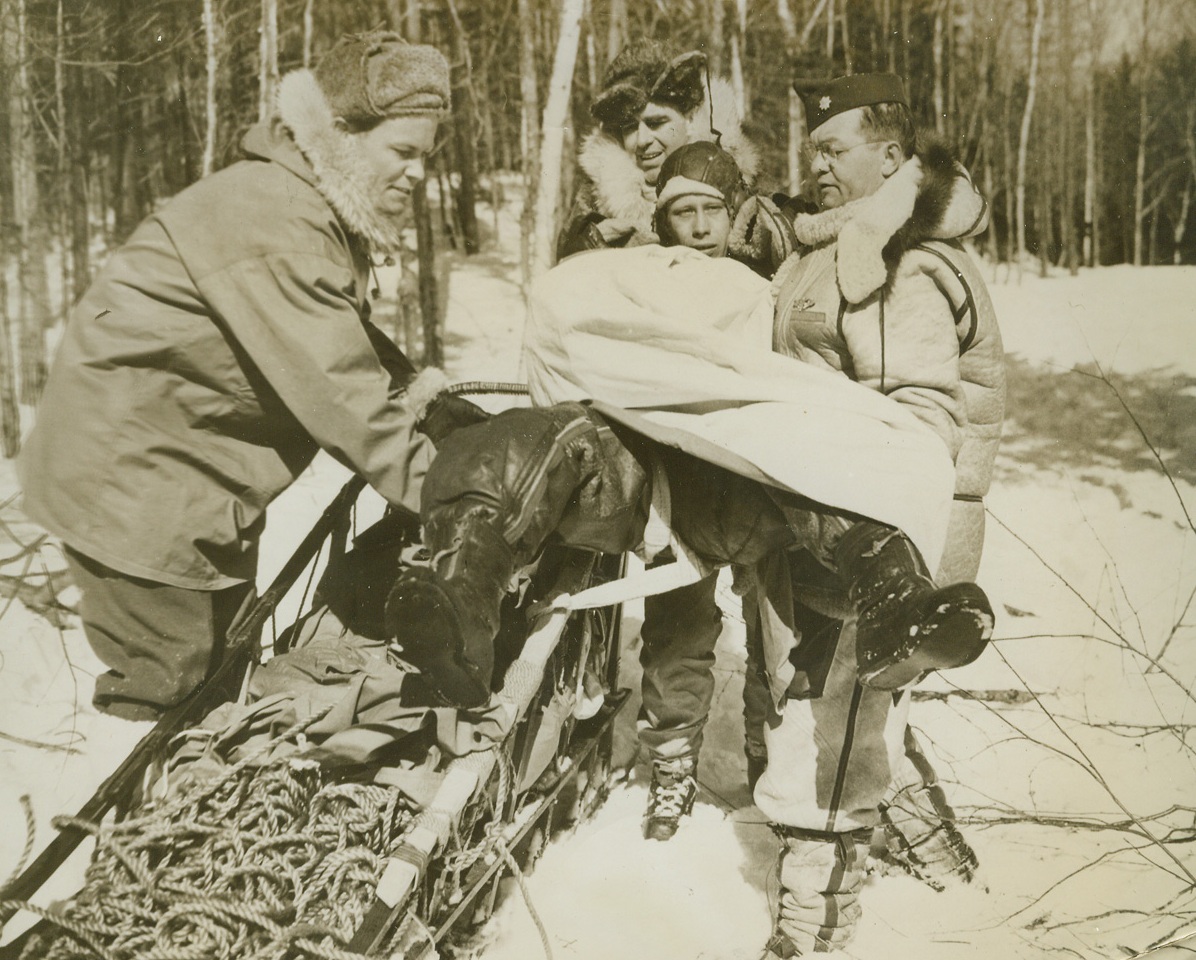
(446, 616)
(906, 626)
(671, 796)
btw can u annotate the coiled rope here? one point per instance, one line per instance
(263, 862)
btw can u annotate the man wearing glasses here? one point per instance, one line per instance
(914, 322)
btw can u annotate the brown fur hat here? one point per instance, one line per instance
(648, 71)
(369, 77)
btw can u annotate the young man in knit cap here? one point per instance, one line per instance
(913, 321)
(221, 347)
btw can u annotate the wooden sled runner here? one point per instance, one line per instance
(270, 836)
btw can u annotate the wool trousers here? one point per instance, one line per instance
(158, 641)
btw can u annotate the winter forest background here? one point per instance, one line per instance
(1076, 117)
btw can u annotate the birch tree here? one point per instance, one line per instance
(529, 131)
(268, 59)
(29, 219)
(211, 65)
(1143, 134)
(1023, 143)
(556, 112)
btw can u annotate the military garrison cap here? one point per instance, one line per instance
(824, 99)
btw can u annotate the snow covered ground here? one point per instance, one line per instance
(1072, 765)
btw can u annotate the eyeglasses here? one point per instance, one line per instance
(830, 155)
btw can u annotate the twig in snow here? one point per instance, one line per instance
(40, 745)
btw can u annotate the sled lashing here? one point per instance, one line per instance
(296, 806)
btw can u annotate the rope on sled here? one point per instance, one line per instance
(263, 862)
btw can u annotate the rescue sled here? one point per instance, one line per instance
(418, 832)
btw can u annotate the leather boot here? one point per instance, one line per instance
(906, 625)
(670, 797)
(445, 617)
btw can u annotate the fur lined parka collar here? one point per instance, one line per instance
(931, 197)
(619, 187)
(335, 158)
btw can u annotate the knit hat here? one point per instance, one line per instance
(368, 77)
(824, 99)
(700, 168)
(648, 71)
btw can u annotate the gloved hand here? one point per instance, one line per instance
(447, 413)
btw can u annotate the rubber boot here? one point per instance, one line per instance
(446, 617)
(821, 877)
(906, 626)
(671, 796)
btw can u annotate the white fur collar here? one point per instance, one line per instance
(335, 157)
(619, 187)
(863, 227)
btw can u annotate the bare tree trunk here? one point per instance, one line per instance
(211, 67)
(556, 115)
(937, 49)
(268, 59)
(33, 293)
(78, 205)
(62, 171)
(994, 250)
(845, 32)
(1089, 242)
(413, 21)
(463, 131)
(1071, 253)
(308, 30)
(1023, 142)
(1185, 205)
(429, 294)
(1143, 135)
(529, 132)
(1181, 221)
(830, 31)
(886, 26)
(592, 71)
(717, 37)
(10, 411)
(738, 84)
(616, 35)
(1010, 165)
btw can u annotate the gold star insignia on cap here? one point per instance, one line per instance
(824, 103)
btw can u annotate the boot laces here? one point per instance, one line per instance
(672, 799)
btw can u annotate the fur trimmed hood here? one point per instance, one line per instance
(619, 187)
(335, 158)
(931, 197)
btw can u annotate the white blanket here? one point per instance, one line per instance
(685, 343)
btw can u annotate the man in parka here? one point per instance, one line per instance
(223, 345)
(912, 321)
(654, 100)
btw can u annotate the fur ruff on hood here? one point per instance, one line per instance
(619, 187)
(931, 197)
(335, 157)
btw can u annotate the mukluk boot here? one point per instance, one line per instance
(821, 877)
(906, 625)
(445, 616)
(670, 797)
(918, 832)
